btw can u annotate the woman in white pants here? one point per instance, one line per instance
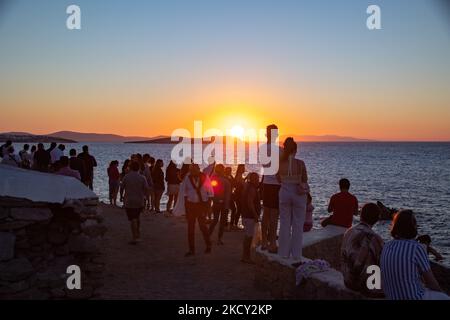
(294, 188)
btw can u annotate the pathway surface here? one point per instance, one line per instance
(157, 268)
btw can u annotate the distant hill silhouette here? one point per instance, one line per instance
(70, 136)
(33, 138)
(95, 137)
(324, 138)
(306, 138)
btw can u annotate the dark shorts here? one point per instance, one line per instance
(133, 213)
(270, 196)
(114, 187)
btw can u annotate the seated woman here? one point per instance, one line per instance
(404, 262)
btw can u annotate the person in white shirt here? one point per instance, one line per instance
(57, 153)
(9, 158)
(25, 156)
(198, 193)
(271, 188)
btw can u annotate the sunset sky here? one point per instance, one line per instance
(148, 67)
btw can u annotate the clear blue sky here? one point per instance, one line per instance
(317, 55)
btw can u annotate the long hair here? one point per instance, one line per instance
(158, 165)
(171, 165)
(404, 225)
(184, 170)
(290, 147)
(240, 170)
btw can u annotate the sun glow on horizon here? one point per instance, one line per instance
(237, 132)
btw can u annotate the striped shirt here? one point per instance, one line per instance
(402, 264)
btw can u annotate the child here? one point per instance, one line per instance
(114, 181)
(251, 208)
(426, 241)
(309, 214)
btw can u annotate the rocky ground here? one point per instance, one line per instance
(157, 268)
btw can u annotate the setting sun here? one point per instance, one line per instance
(237, 132)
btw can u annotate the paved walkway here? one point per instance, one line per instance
(157, 268)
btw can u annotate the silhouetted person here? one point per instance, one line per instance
(32, 152)
(148, 175)
(251, 211)
(361, 248)
(233, 207)
(343, 206)
(4, 148)
(221, 201)
(41, 158)
(57, 153)
(77, 164)
(65, 170)
(9, 158)
(271, 189)
(114, 181)
(25, 156)
(197, 198)
(405, 267)
(89, 164)
(151, 165)
(134, 190)
(173, 184)
(237, 196)
(425, 240)
(158, 183)
(293, 178)
(52, 147)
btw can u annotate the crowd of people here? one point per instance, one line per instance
(216, 200)
(51, 160)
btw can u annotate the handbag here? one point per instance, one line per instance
(303, 187)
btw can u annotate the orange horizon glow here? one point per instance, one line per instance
(249, 105)
(229, 65)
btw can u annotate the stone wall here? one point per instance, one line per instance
(38, 241)
(324, 244)
(277, 276)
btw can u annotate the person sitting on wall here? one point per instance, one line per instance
(405, 268)
(343, 206)
(65, 170)
(361, 248)
(425, 240)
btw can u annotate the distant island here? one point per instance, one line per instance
(33, 138)
(73, 136)
(95, 137)
(309, 138)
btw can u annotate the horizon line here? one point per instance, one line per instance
(162, 136)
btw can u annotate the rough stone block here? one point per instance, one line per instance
(4, 213)
(82, 244)
(31, 214)
(16, 269)
(7, 244)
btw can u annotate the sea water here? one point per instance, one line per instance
(401, 175)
